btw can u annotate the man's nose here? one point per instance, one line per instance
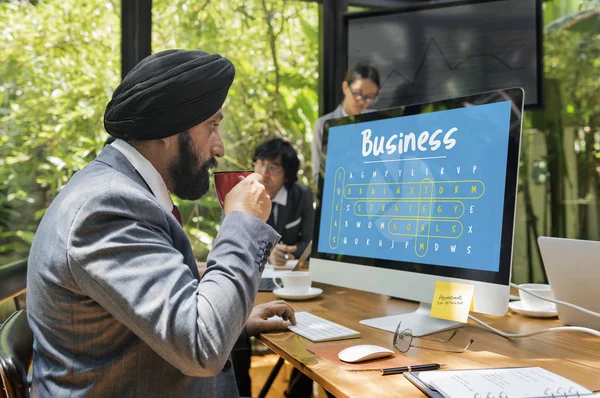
(217, 149)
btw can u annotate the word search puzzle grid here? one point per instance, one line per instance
(426, 188)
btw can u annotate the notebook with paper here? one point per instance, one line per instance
(528, 382)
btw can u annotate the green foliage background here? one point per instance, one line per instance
(60, 62)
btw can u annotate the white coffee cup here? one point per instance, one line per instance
(533, 303)
(294, 282)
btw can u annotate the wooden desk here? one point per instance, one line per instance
(572, 355)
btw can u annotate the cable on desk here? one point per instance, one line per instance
(592, 313)
(529, 334)
(555, 329)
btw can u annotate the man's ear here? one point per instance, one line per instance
(169, 144)
(344, 85)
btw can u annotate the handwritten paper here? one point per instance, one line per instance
(507, 382)
(452, 301)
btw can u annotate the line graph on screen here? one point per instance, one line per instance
(439, 53)
(453, 67)
(443, 69)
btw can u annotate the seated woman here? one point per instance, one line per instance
(292, 215)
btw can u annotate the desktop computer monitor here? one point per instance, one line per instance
(418, 194)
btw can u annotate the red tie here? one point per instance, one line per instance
(177, 214)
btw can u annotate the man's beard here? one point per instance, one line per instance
(191, 181)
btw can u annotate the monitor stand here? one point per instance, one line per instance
(419, 322)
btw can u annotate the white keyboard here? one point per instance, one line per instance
(318, 329)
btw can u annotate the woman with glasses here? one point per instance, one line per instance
(360, 89)
(292, 212)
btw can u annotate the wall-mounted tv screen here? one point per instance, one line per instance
(429, 53)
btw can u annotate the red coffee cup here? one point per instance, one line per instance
(225, 180)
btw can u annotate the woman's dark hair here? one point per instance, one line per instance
(363, 70)
(272, 149)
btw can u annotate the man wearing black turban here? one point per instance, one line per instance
(114, 297)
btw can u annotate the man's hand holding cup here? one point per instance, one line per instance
(243, 191)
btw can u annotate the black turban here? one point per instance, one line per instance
(167, 93)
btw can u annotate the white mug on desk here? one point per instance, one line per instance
(533, 303)
(294, 282)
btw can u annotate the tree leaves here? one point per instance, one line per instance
(60, 62)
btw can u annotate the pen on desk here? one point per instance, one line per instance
(414, 368)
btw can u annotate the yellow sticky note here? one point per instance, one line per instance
(452, 301)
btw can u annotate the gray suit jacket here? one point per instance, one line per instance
(114, 298)
(295, 220)
(317, 144)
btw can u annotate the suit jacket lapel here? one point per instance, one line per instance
(115, 159)
(283, 214)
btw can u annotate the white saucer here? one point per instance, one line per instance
(517, 307)
(312, 292)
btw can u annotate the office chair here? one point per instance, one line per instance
(16, 355)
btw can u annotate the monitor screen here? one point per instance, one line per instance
(429, 53)
(428, 189)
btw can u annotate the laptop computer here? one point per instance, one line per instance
(573, 269)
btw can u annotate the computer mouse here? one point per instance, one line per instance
(363, 352)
